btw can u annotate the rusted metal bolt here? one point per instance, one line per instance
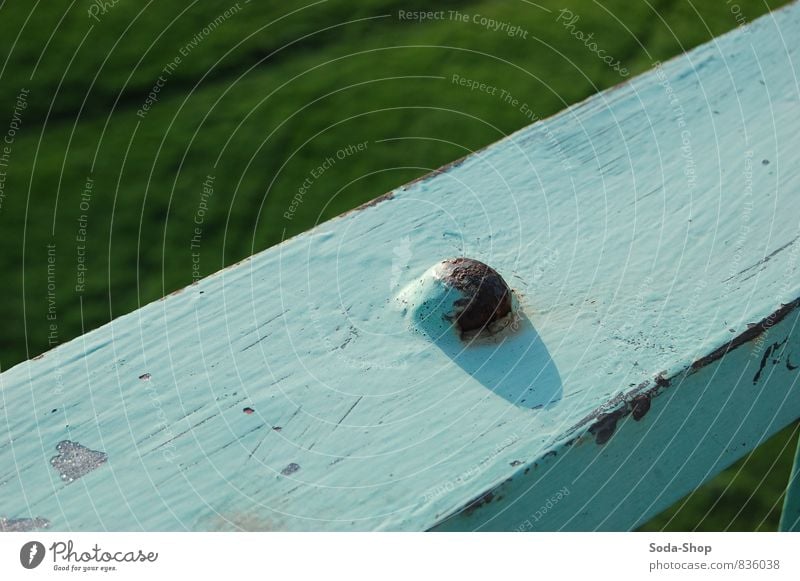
(459, 294)
(487, 297)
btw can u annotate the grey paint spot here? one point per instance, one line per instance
(22, 525)
(74, 460)
(290, 469)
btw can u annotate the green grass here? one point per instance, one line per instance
(748, 496)
(259, 103)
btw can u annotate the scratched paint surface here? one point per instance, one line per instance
(641, 231)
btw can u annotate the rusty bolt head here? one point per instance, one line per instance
(487, 297)
(460, 294)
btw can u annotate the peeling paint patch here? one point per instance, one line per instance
(771, 350)
(748, 335)
(74, 460)
(605, 426)
(22, 525)
(478, 502)
(662, 381)
(290, 469)
(640, 405)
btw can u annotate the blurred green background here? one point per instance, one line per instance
(259, 96)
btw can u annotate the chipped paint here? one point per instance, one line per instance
(290, 469)
(74, 460)
(619, 377)
(751, 334)
(23, 525)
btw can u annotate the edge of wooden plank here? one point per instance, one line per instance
(599, 428)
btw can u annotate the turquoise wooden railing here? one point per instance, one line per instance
(650, 236)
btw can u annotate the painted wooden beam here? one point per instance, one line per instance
(651, 238)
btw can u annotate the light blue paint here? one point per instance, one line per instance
(510, 360)
(640, 232)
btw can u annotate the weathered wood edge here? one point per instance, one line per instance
(600, 426)
(601, 423)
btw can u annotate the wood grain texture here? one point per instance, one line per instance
(651, 235)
